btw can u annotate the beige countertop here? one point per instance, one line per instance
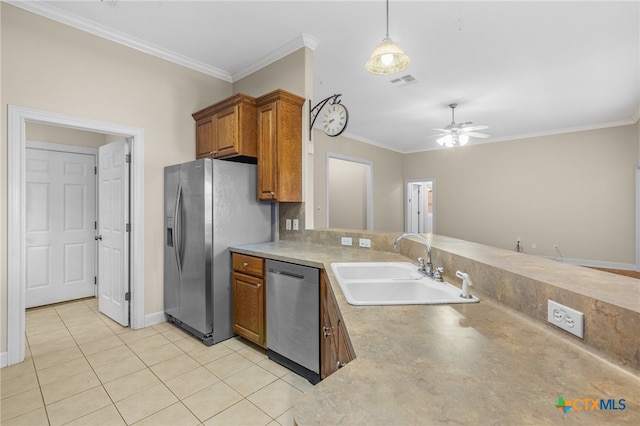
(460, 364)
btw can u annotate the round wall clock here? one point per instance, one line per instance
(335, 119)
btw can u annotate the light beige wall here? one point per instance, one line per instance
(387, 179)
(53, 67)
(287, 73)
(575, 190)
(638, 138)
(63, 135)
(347, 194)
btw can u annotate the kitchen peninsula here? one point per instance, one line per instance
(474, 363)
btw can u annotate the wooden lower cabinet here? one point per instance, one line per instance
(248, 308)
(335, 347)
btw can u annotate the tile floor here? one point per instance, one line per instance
(82, 368)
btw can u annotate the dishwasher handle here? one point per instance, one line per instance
(287, 273)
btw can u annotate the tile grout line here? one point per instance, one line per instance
(242, 348)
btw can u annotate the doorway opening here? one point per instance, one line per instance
(18, 117)
(349, 192)
(420, 209)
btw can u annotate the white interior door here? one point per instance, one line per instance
(419, 206)
(60, 226)
(113, 235)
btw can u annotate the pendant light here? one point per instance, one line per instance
(388, 57)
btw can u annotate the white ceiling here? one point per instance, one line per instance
(522, 68)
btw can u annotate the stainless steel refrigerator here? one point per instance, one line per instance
(209, 205)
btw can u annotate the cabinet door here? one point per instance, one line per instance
(267, 152)
(329, 361)
(226, 138)
(204, 143)
(248, 308)
(344, 348)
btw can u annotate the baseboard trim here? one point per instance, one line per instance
(155, 318)
(3, 359)
(593, 263)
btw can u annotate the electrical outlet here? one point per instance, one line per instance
(346, 241)
(364, 242)
(287, 224)
(295, 224)
(566, 318)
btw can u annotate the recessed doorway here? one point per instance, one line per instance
(420, 206)
(18, 117)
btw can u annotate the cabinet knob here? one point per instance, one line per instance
(325, 331)
(244, 265)
(259, 285)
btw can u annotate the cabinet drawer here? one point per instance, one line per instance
(248, 264)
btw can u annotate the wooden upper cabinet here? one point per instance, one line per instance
(280, 146)
(227, 129)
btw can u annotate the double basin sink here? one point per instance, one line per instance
(393, 283)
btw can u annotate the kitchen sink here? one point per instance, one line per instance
(393, 283)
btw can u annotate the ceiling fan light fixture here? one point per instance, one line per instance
(388, 57)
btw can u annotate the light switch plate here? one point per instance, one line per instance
(287, 224)
(346, 241)
(364, 242)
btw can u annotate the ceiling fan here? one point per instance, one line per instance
(459, 133)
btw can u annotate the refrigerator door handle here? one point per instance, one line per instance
(177, 223)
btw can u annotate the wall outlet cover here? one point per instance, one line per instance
(295, 224)
(364, 242)
(346, 241)
(287, 224)
(566, 318)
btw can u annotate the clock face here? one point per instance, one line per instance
(335, 120)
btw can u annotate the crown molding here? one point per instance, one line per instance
(53, 13)
(303, 40)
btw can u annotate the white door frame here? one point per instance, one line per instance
(369, 165)
(638, 217)
(407, 212)
(16, 140)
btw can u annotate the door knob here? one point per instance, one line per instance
(97, 237)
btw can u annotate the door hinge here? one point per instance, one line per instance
(127, 158)
(95, 280)
(95, 225)
(127, 228)
(127, 296)
(95, 170)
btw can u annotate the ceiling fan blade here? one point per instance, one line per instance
(444, 130)
(474, 127)
(475, 134)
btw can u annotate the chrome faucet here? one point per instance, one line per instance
(424, 269)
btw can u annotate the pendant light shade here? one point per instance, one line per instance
(388, 57)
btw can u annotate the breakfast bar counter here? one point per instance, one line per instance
(477, 363)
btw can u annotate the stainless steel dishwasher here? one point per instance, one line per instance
(293, 317)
